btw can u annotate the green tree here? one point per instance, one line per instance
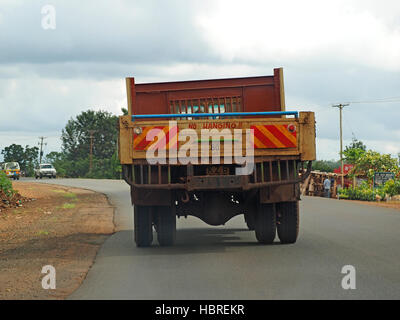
(74, 160)
(325, 165)
(31, 160)
(372, 161)
(59, 161)
(54, 156)
(13, 152)
(27, 158)
(76, 135)
(354, 151)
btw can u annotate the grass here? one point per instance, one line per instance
(43, 233)
(68, 206)
(58, 191)
(65, 194)
(69, 195)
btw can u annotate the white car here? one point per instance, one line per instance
(45, 170)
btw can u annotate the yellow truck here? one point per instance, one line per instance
(215, 149)
(11, 169)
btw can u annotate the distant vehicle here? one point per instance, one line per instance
(45, 170)
(11, 169)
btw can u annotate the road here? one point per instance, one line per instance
(227, 263)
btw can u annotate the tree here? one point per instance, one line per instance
(30, 159)
(76, 145)
(54, 156)
(357, 144)
(76, 135)
(59, 161)
(372, 161)
(354, 151)
(14, 152)
(27, 158)
(324, 165)
(74, 158)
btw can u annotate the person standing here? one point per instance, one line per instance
(327, 187)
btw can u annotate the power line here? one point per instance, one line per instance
(381, 100)
(376, 101)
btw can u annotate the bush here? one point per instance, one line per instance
(6, 185)
(362, 192)
(365, 192)
(392, 187)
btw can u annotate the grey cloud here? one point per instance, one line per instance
(46, 77)
(103, 31)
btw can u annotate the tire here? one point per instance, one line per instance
(143, 227)
(288, 221)
(265, 227)
(166, 226)
(250, 219)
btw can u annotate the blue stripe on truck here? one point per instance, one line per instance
(227, 114)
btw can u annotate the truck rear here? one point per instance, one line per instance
(215, 149)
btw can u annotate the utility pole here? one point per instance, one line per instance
(91, 149)
(41, 148)
(341, 106)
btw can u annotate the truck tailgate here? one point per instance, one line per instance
(272, 136)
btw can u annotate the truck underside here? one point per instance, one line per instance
(267, 197)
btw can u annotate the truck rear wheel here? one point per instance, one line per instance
(166, 226)
(265, 227)
(143, 226)
(250, 219)
(288, 221)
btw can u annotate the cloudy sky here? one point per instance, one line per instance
(331, 52)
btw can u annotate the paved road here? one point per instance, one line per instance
(227, 263)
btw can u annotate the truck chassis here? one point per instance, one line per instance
(268, 198)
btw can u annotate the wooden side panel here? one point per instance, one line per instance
(154, 103)
(260, 98)
(125, 141)
(256, 93)
(282, 90)
(307, 136)
(130, 93)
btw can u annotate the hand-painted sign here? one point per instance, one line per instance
(380, 178)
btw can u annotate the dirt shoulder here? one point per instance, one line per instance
(385, 204)
(63, 227)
